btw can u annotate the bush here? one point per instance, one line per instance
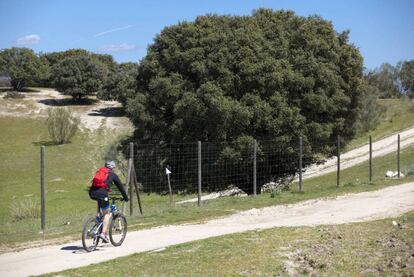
(408, 172)
(14, 95)
(27, 208)
(62, 124)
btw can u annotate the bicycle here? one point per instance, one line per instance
(93, 228)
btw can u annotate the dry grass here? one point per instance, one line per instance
(28, 208)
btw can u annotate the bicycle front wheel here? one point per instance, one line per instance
(90, 234)
(118, 230)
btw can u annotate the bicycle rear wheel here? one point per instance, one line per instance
(118, 230)
(90, 234)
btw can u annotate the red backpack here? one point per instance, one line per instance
(100, 177)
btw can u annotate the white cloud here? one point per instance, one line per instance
(29, 39)
(113, 30)
(117, 47)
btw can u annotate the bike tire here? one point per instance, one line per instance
(90, 234)
(118, 230)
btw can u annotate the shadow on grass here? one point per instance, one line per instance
(109, 112)
(47, 143)
(68, 102)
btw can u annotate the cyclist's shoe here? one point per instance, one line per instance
(103, 238)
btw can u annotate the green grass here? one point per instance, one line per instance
(68, 172)
(399, 115)
(69, 169)
(360, 249)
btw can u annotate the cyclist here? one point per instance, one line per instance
(99, 191)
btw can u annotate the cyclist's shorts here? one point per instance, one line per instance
(101, 196)
(103, 204)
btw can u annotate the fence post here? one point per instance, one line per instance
(128, 184)
(131, 187)
(254, 167)
(42, 189)
(398, 156)
(199, 173)
(168, 172)
(300, 162)
(338, 149)
(370, 159)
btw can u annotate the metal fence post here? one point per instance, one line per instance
(370, 159)
(338, 149)
(398, 156)
(254, 167)
(42, 189)
(300, 162)
(168, 172)
(199, 173)
(131, 187)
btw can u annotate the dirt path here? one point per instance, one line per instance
(361, 154)
(384, 203)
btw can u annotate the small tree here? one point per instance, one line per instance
(62, 124)
(78, 76)
(407, 77)
(22, 66)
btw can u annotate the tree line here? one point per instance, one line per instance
(393, 81)
(75, 72)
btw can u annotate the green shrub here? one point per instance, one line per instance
(276, 191)
(408, 172)
(62, 124)
(27, 208)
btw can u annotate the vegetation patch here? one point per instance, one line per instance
(27, 208)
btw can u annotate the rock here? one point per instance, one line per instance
(281, 183)
(389, 174)
(393, 174)
(232, 191)
(269, 187)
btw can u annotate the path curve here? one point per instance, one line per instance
(388, 202)
(356, 156)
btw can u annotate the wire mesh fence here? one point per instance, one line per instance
(251, 166)
(247, 165)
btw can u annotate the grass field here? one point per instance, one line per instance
(376, 248)
(399, 115)
(69, 169)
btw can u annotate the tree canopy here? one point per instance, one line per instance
(78, 76)
(120, 84)
(385, 79)
(22, 65)
(272, 76)
(269, 75)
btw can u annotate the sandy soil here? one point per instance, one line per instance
(384, 203)
(35, 104)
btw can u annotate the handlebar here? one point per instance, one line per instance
(113, 199)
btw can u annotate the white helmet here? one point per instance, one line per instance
(110, 164)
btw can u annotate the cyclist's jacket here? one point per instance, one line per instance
(101, 193)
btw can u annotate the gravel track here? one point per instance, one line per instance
(388, 202)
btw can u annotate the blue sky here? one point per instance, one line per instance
(382, 30)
